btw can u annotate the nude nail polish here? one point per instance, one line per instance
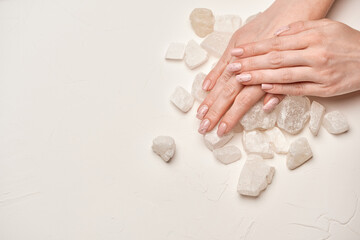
(221, 129)
(244, 77)
(271, 104)
(266, 86)
(206, 85)
(237, 52)
(204, 125)
(202, 111)
(233, 67)
(281, 30)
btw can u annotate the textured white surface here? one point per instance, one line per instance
(175, 51)
(84, 89)
(182, 99)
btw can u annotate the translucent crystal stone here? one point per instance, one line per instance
(227, 23)
(317, 112)
(195, 55)
(164, 146)
(255, 142)
(335, 122)
(255, 176)
(175, 51)
(227, 154)
(256, 118)
(213, 141)
(216, 43)
(182, 99)
(293, 113)
(277, 140)
(250, 18)
(196, 90)
(202, 21)
(299, 153)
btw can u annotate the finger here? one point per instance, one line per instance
(243, 102)
(300, 26)
(295, 89)
(222, 103)
(271, 101)
(281, 75)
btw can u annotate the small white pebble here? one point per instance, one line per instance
(227, 23)
(213, 141)
(195, 55)
(164, 146)
(182, 99)
(227, 154)
(175, 51)
(198, 93)
(299, 153)
(335, 122)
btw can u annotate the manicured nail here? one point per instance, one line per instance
(281, 30)
(233, 67)
(271, 104)
(202, 111)
(204, 125)
(266, 86)
(206, 85)
(244, 77)
(237, 51)
(221, 129)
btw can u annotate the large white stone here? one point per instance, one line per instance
(255, 176)
(202, 21)
(256, 118)
(299, 153)
(227, 23)
(293, 113)
(278, 141)
(255, 142)
(252, 17)
(175, 51)
(213, 141)
(335, 122)
(317, 112)
(195, 55)
(182, 99)
(227, 154)
(216, 43)
(198, 93)
(164, 146)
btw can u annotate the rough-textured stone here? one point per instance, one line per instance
(277, 140)
(182, 99)
(216, 43)
(213, 141)
(299, 153)
(175, 51)
(202, 21)
(250, 18)
(238, 128)
(227, 154)
(196, 90)
(256, 118)
(227, 23)
(255, 176)
(335, 122)
(317, 112)
(164, 146)
(195, 55)
(255, 142)
(293, 113)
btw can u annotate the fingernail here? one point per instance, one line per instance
(206, 85)
(221, 129)
(281, 30)
(204, 125)
(271, 104)
(266, 86)
(202, 111)
(237, 51)
(244, 77)
(233, 67)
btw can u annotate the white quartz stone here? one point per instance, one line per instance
(164, 146)
(335, 122)
(250, 18)
(196, 90)
(227, 23)
(216, 43)
(255, 142)
(317, 112)
(293, 113)
(213, 141)
(255, 176)
(195, 55)
(182, 99)
(175, 51)
(277, 140)
(299, 153)
(227, 154)
(202, 21)
(256, 118)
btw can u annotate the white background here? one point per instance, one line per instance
(84, 88)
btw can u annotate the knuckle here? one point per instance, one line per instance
(276, 43)
(276, 58)
(213, 114)
(286, 76)
(228, 90)
(323, 57)
(298, 89)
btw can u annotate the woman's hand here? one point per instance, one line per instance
(319, 58)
